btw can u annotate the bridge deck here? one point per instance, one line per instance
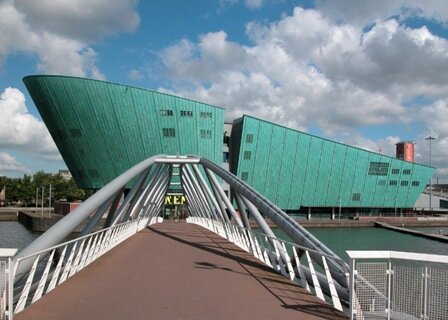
(178, 271)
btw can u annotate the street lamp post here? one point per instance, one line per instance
(339, 208)
(37, 196)
(42, 204)
(430, 138)
(49, 203)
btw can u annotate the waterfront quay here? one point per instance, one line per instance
(178, 271)
(41, 221)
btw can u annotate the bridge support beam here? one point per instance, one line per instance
(58, 232)
(223, 196)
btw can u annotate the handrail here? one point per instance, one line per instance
(381, 286)
(68, 258)
(261, 247)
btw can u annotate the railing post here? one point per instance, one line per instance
(10, 293)
(425, 294)
(389, 285)
(352, 289)
(6, 283)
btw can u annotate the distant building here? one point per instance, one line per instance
(405, 150)
(3, 197)
(65, 174)
(65, 207)
(103, 128)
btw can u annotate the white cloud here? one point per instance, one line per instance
(22, 131)
(363, 13)
(83, 20)
(253, 4)
(250, 4)
(9, 164)
(59, 32)
(310, 69)
(136, 75)
(436, 118)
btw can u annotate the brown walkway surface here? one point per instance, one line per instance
(178, 271)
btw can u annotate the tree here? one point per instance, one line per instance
(22, 191)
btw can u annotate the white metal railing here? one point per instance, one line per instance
(273, 252)
(54, 265)
(5, 284)
(398, 285)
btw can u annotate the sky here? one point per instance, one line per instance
(364, 73)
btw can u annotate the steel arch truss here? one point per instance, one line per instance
(139, 193)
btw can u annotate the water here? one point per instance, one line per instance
(432, 230)
(15, 235)
(342, 239)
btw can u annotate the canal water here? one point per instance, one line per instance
(342, 239)
(14, 235)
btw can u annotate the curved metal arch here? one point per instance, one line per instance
(297, 233)
(200, 203)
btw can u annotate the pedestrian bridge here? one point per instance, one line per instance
(215, 266)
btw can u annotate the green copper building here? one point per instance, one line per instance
(297, 170)
(102, 129)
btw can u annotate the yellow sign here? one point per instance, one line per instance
(175, 200)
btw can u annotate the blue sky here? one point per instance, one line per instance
(365, 73)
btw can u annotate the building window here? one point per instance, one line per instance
(378, 168)
(169, 132)
(206, 134)
(393, 182)
(204, 114)
(404, 183)
(247, 155)
(395, 171)
(166, 112)
(381, 182)
(406, 171)
(356, 197)
(244, 176)
(186, 113)
(415, 183)
(249, 138)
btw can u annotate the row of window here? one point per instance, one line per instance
(206, 134)
(185, 113)
(404, 183)
(382, 169)
(166, 112)
(405, 171)
(378, 168)
(204, 114)
(171, 132)
(395, 183)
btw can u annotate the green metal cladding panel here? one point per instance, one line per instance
(294, 169)
(102, 128)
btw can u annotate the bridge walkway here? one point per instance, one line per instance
(178, 271)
